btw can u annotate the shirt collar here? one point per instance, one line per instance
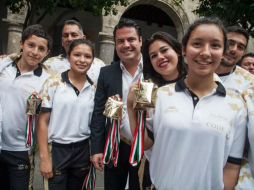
(66, 79)
(37, 72)
(140, 65)
(181, 86)
(228, 73)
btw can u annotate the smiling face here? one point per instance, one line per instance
(81, 58)
(70, 32)
(237, 44)
(164, 59)
(248, 64)
(128, 44)
(34, 50)
(204, 50)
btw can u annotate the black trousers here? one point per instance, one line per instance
(71, 163)
(115, 178)
(146, 177)
(15, 170)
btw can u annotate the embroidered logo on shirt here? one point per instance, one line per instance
(218, 127)
(172, 109)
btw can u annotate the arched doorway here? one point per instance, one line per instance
(152, 15)
(151, 19)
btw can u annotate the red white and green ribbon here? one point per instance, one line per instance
(137, 148)
(31, 121)
(111, 150)
(30, 130)
(90, 180)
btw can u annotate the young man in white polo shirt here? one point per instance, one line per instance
(20, 79)
(232, 75)
(235, 77)
(72, 30)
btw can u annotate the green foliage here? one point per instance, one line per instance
(97, 7)
(232, 12)
(94, 6)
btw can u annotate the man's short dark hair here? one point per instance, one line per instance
(73, 22)
(250, 54)
(238, 30)
(127, 23)
(38, 31)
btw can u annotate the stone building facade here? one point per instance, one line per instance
(151, 15)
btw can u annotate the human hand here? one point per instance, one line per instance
(46, 168)
(131, 95)
(97, 161)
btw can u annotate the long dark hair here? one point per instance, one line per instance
(148, 70)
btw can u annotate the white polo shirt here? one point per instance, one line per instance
(194, 138)
(127, 81)
(1, 124)
(15, 88)
(249, 98)
(4, 62)
(239, 79)
(242, 80)
(245, 180)
(71, 110)
(60, 64)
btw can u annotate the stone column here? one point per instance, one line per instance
(15, 27)
(14, 36)
(250, 47)
(106, 41)
(106, 47)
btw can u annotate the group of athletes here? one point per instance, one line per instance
(199, 135)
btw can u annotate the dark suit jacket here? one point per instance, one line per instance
(109, 84)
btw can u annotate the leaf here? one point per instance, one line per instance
(230, 11)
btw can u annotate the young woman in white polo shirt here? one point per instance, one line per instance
(19, 79)
(64, 121)
(199, 127)
(163, 64)
(163, 60)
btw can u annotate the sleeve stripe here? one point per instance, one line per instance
(233, 160)
(45, 109)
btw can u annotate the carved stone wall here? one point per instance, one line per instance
(14, 27)
(99, 29)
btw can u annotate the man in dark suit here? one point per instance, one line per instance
(116, 79)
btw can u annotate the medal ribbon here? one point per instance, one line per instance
(111, 150)
(30, 126)
(137, 148)
(30, 130)
(90, 180)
